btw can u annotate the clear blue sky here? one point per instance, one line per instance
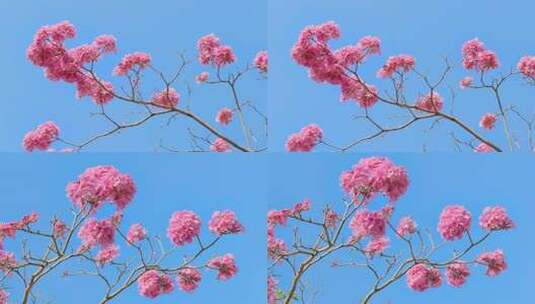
(165, 184)
(436, 181)
(161, 28)
(428, 30)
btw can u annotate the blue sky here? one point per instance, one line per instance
(165, 184)
(161, 28)
(470, 180)
(428, 30)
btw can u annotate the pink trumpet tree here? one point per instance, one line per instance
(101, 247)
(366, 229)
(342, 68)
(77, 66)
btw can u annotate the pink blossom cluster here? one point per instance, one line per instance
(224, 222)
(475, 56)
(136, 233)
(167, 98)
(431, 102)
(94, 232)
(225, 266)
(330, 218)
(9, 229)
(211, 51)
(495, 262)
(7, 261)
(368, 223)
(48, 51)
(399, 63)
(484, 148)
(466, 82)
(4, 296)
(202, 77)
(153, 283)
(421, 277)
(261, 61)
(377, 246)
(224, 116)
(327, 66)
(271, 290)
(487, 121)
(526, 66)
(137, 60)
(189, 279)
(406, 226)
(457, 273)
(495, 218)
(41, 137)
(184, 226)
(100, 184)
(372, 176)
(107, 254)
(220, 145)
(305, 140)
(454, 221)
(59, 228)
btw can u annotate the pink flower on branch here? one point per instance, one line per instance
(422, 277)
(261, 61)
(224, 222)
(151, 284)
(305, 140)
(495, 218)
(184, 226)
(220, 145)
(136, 233)
(189, 279)
(454, 222)
(457, 273)
(526, 66)
(167, 98)
(42, 137)
(487, 121)
(495, 262)
(225, 266)
(224, 116)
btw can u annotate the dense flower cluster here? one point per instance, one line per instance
(487, 121)
(137, 60)
(224, 222)
(211, 51)
(431, 102)
(421, 277)
(377, 246)
(9, 229)
(220, 145)
(399, 63)
(495, 262)
(495, 218)
(305, 140)
(261, 61)
(41, 137)
(152, 284)
(526, 66)
(224, 116)
(368, 223)
(59, 228)
(189, 279)
(475, 56)
(136, 233)
(107, 254)
(457, 273)
(271, 290)
(7, 261)
(100, 184)
(454, 222)
(406, 226)
(184, 226)
(327, 66)
(94, 232)
(48, 51)
(167, 98)
(225, 265)
(372, 176)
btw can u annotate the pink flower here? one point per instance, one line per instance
(495, 218)
(364, 94)
(421, 277)
(41, 137)
(370, 44)
(399, 63)
(184, 226)
(4, 296)
(431, 102)
(271, 290)
(300, 207)
(168, 98)
(279, 217)
(372, 176)
(366, 223)
(377, 246)
(106, 43)
(100, 184)
(220, 145)
(406, 226)
(454, 222)
(466, 82)
(212, 52)
(457, 273)
(225, 266)
(94, 232)
(107, 254)
(224, 116)
(189, 279)
(7, 261)
(130, 61)
(202, 77)
(484, 148)
(224, 222)
(475, 56)
(487, 121)
(526, 66)
(495, 262)
(59, 228)
(136, 233)
(261, 61)
(305, 140)
(330, 218)
(276, 247)
(152, 284)
(31, 218)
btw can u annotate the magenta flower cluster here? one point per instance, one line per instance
(305, 140)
